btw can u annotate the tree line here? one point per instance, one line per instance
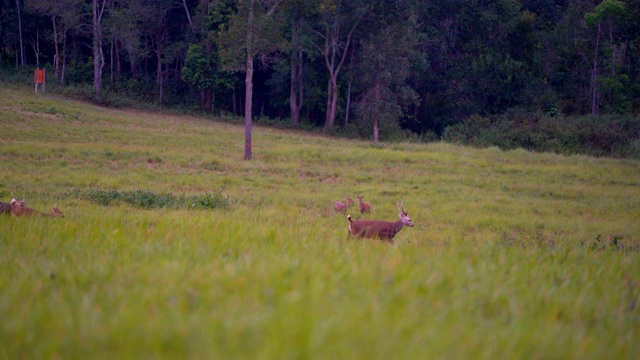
(369, 68)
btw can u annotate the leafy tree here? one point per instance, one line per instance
(338, 21)
(253, 33)
(608, 14)
(384, 66)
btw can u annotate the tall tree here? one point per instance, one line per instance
(22, 60)
(253, 33)
(335, 16)
(298, 13)
(97, 8)
(64, 18)
(607, 14)
(384, 65)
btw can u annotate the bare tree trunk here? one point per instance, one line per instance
(594, 76)
(328, 114)
(248, 85)
(377, 101)
(22, 61)
(98, 57)
(159, 71)
(295, 98)
(64, 57)
(346, 116)
(36, 47)
(111, 50)
(233, 100)
(56, 58)
(331, 51)
(334, 102)
(118, 59)
(186, 9)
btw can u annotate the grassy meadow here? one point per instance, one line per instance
(513, 254)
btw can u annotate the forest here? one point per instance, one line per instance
(550, 75)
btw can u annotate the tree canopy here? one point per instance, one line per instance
(373, 69)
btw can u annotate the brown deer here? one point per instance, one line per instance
(365, 207)
(17, 211)
(384, 230)
(7, 208)
(342, 206)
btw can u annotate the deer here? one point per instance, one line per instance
(384, 230)
(18, 211)
(340, 206)
(7, 208)
(365, 207)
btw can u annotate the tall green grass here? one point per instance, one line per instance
(514, 254)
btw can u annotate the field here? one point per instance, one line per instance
(172, 246)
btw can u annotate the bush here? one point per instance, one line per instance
(603, 135)
(146, 199)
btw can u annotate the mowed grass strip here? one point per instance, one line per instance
(513, 254)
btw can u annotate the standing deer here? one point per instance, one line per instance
(7, 208)
(365, 207)
(342, 206)
(17, 211)
(385, 230)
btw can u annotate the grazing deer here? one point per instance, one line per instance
(365, 207)
(342, 206)
(17, 211)
(385, 230)
(7, 208)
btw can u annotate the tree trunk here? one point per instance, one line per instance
(64, 57)
(331, 51)
(186, 9)
(346, 116)
(377, 102)
(159, 71)
(594, 76)
(248, 85)
(98, 59)
(233, 100)
(118, 60)
(56, 58)
(328, 114)
(22, 61)
(111, 50)
(293, 96)
(334, 102)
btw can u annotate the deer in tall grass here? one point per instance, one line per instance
(340, 206)
(6, 208)
(18, 211)
(365, 207)
(384, 230)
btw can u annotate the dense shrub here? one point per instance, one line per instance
(603, 135)
(147, 199)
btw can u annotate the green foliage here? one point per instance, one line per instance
(147, 199)
(198, 70)
(610, 135)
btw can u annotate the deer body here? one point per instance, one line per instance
(8, 208)
(18, 211)
(384, 230)
(365, 207)
(5, 208)
(343, 206)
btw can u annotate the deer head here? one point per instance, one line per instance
(404, 217)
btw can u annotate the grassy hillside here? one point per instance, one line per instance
(513, 254)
